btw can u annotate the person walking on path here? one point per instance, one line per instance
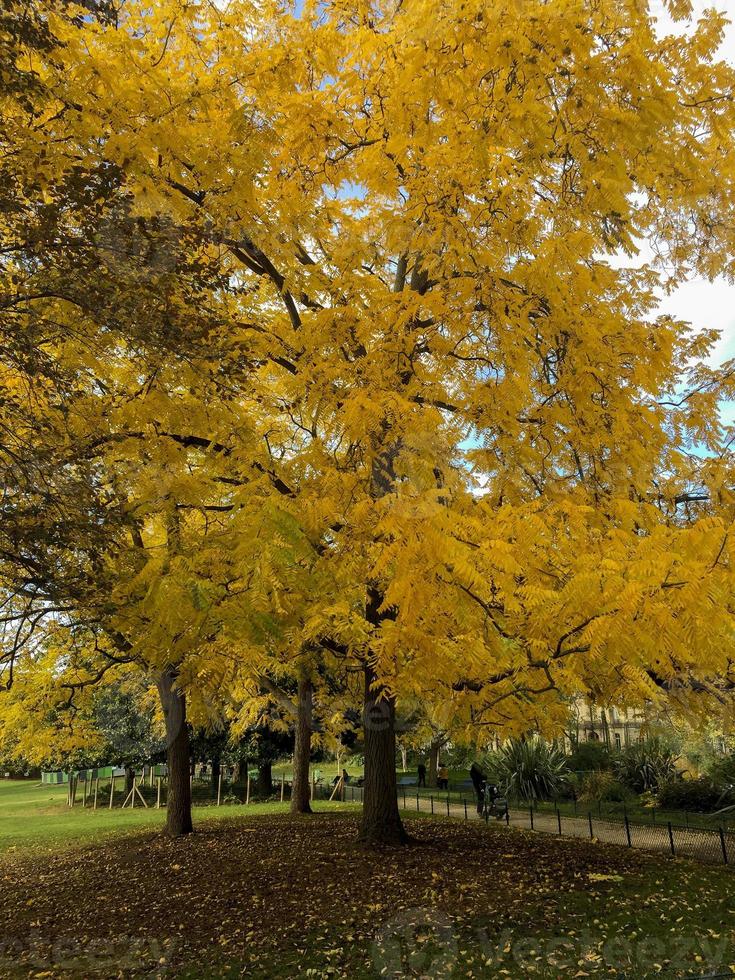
(479, 779)
(421, 769)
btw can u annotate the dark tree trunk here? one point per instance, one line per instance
(433, 763)
(129, 777)
(381, 820)
(265, 779)
(178, 802)
(216, 768)
(300, 791)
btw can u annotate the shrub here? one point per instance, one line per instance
(589, 756)
(645, 765)
(702, 795)
(529, 770)
(569, 789)
(603, 786)
(722, 771)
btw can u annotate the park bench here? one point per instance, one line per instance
(408, 780)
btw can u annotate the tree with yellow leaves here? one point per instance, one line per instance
(472, 412)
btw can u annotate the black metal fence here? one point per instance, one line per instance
(715, 845)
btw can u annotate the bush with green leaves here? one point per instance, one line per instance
(722, 771)
(701, 795)
(603, 786)
(589, 757)
(645, 766)
(529, 769)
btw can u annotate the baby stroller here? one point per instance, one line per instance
(495, 806)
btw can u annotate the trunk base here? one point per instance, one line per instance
(384, 836)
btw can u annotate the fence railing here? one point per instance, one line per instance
(715, 845)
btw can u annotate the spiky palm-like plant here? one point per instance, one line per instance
(529, 769)
(645, 766)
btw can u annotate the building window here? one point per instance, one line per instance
(618, 741)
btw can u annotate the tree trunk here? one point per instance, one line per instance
(129, 777)
(404, 757)
(265, 779)
(433, 763)
(381, 820)
(178, 803)
(300, 790)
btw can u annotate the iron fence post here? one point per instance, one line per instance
(447, 804)
(558, 818)
(589, 817)
(465, 807)
(507, 815)
(723, 844)
(671, 839)
(627, 829)
(417, 803)
(530, 813)
(432, 803)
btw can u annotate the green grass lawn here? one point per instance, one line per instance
(36, 817)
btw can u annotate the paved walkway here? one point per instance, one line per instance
(712, 846)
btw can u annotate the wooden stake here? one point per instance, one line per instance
(283, 785)
(158, 793)
(96, 790)
(142, 798)
(150, 778)
(338, 787)
(130, 794)
(247, 797)
(84, 794)
(219, 788)
(73, 791)
(112, 788)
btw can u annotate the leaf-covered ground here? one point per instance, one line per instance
(276, 896)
